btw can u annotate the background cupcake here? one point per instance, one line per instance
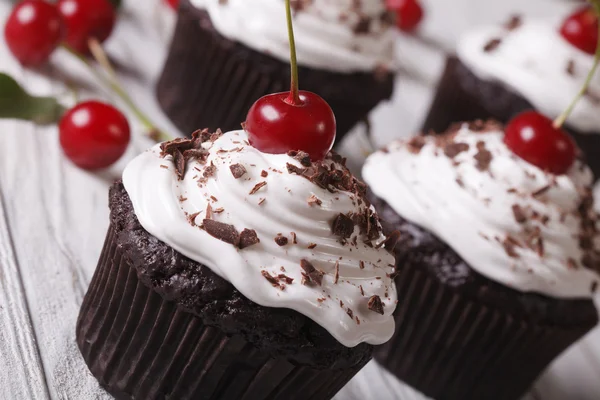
(500, 71)
(240, 52)
(232, 273)
(497, 262)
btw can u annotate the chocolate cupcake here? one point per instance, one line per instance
(228, 273)
(500, 71)
(497, 262)
(240, 53)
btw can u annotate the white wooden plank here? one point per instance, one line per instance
(18, 348)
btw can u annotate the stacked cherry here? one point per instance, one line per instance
(533, 136)
(92, 134)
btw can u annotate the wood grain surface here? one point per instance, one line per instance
(53, 216)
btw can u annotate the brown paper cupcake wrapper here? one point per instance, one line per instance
(140, 346)
(451, 347)
(211, 82)
(462, 96)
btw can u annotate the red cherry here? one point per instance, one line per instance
(94, 135)
(276, 125)
(173, 3)
(581, 29)
(531, 136)
(87, 19)
(409, 12)
(33, 31)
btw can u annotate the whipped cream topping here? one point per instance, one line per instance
(509, 220)
(336, 35)
(282, 239)
(535, 61)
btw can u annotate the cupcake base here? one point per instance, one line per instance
(461, 336)
(139, 345)
(211, 82)
(462, 96)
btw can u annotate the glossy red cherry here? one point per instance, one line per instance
(531, 136)
(409, 13)
(581, 29)
(94, 135)
(86, 19)
(33, 31)
(276, 125)
(173, 3)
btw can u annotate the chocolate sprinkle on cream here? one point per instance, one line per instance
(281, 240)
(451, 150)
(257, 187)
(314, 200)
(248, 238)
(519, 213)
(237, 170)
(492, 45)
(336, 277)
(514, 22)
(272, 280)
(224, 232)
(312, 274)
(342, 226)
(415, 144)
(375, 304)
(301, 156)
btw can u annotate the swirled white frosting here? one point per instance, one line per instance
(336, 35)
(536, 62)
(510, 221)
(173, 211)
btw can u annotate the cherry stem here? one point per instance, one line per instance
(294, 97)
(113, 84)
(560, 120)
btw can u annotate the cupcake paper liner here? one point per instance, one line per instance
(211, 82)
(452, 347)
(140, 346)
(462, 96)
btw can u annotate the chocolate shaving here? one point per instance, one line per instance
(237, 170)
(509, 244)
(350, 312)
(281, 240)
(314, 200)
(301, 156)
(313, 275)
(361, 264)
(375, 304)
(363, 26)
(285, 278)
(272, 280)
(492, 45)
(514, 22)
(483, 157)
(519, 213)
(337, 272)
(179, 162)
(192, 218)
(294, 239)
(257, 187)
(264, 173)
(342, 226)
(451, 150)
(312, 245)
(248, 238)
(415, 144)
(224, 232)
(209, 211)
(541, 191)
(571, 68)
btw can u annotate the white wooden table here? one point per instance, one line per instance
(53, 216)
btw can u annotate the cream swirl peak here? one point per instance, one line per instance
(532, 59)
(336, 35)
(509, 220)
(285, 231)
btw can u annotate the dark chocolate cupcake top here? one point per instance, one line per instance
(509, 220)
(283, 230)
(533, 59)
(335, 35)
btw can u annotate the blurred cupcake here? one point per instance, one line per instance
(227, 54)
(228, 273)
(497, 262)
(500, 71)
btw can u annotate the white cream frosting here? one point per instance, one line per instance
(164, 204)
(325, 31)
(532, 59)
(473, 210)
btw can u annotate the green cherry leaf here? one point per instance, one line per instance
(16, 103)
